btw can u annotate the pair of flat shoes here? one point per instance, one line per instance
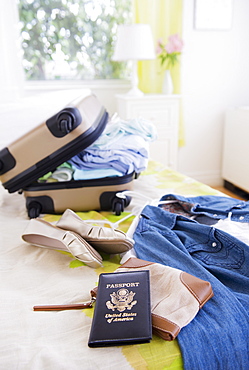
(78, 237)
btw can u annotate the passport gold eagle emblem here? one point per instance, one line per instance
(121, 300)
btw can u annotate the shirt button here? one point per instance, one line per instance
(214, 244)
(241, 217)
(215, 214)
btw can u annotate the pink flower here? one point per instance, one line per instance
(174, 45)
(168, 54)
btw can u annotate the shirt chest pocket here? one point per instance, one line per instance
(219, 250)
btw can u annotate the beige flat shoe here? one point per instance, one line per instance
(45, 235)
(105, 239)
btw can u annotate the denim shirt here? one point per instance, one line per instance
(218, 338)
(216, 207)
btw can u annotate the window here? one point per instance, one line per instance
(71, 39)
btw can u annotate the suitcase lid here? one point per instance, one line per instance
(53, 142)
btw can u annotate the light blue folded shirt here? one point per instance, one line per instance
(96, 174)
(116, 129)
(123, 147)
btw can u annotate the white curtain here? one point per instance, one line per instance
(11, 71)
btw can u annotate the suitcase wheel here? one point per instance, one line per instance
(34, 209)
(119, 204)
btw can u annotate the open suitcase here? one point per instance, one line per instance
(52, 143)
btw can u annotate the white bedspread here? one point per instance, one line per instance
(31, 276)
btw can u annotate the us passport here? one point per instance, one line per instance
(122, 313)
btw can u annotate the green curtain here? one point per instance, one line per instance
(165, 19)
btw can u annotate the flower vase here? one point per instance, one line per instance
(167, 83)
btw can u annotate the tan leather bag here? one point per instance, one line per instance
(176, 296)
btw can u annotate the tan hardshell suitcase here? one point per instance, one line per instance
(52, 143)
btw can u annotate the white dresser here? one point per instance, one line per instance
(163, 112)
(235, 164)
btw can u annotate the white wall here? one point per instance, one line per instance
(215, 77)
(11, 72)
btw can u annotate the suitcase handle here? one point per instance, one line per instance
(7, 161)
(64, 122)
(66, 125)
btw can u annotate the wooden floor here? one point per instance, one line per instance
(228, 192)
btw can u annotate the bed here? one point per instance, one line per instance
(35, 276)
